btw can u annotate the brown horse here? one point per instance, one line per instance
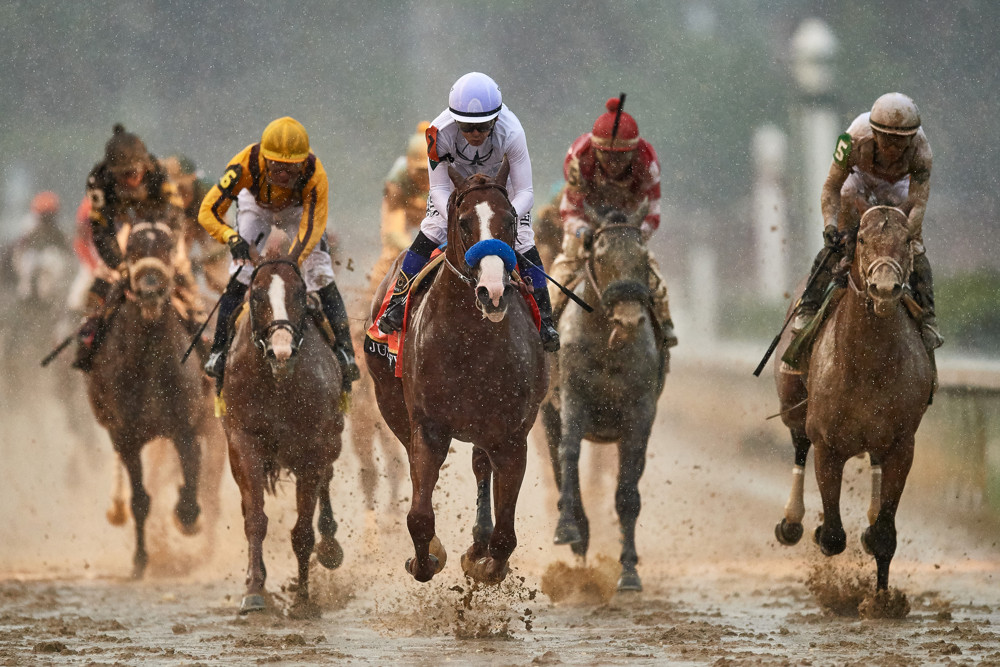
(473, 368)
(867, 388)
(138, 387)
(282, 393)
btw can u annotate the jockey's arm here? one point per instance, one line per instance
(102, 227)
(830, 197)
(212, 214)
(522, 193)
(916, 200)
(314, 211)
(651, 194)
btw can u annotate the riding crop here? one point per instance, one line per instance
(568, 292)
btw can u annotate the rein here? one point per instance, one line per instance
(261, 338)
(589, 264)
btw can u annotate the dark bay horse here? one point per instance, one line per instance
(138, 387)
(283, 411)
(473, 369)
(612, 366)
(868, 386)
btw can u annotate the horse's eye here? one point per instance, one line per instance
(861, 241)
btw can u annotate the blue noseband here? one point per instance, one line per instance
(492, 247)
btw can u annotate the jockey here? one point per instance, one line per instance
(404, 201)
(883, 158)
(473, 135)
(128, 185)
(204, 253)
(610, 167)
(43, 234)
(277, 182)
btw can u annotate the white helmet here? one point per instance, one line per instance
(895, 113)
(475, 98)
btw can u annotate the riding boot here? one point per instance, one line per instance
(922, 284)
(661, 303)
(535, 273)
(88, 335)
(416, 258)
(230, 301)
(811, 298)
(336, 313)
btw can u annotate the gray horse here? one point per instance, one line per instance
(612, 365)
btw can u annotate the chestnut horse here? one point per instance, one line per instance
(868, 385)
(138, 387)
(473, 368)
(612, 366)
(282, 411)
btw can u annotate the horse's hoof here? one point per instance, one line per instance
(117, 514)
(827, 548)
(329, 553)
(485, 570)
(788, 533)
(252, 603)
(865, 544)
(422, 576)
(438, 551)
(186, 517)
(138, 570)
(629, 582)
(567, 532)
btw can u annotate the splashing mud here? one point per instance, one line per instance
(581, 584)
(845, 585)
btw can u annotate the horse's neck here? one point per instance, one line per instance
(861, 334)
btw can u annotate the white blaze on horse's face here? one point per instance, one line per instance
(281, 338)
(491, 266)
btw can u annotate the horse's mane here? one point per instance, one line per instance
(277, 245)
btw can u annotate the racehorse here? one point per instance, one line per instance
(612, 366)
(138, 387)
(868, 385)
(473, 368)
(282, 411)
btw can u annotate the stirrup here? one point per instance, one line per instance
(931, 336)
(549, 335)
(348, 366)
(392, 319)
(802, 318)
(216, 364)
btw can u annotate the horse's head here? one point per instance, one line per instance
(482, 227)
(277, 310)
(618, 266)
(149, 254)
(883, 257)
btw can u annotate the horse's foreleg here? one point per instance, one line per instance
(509, 464)
(829, 476)
(632, 462)
(875, 499)
(328, 551)
(250, 479)
(427, 452)
(129, 453)
(880, 537)
(552, 425)
(303, 537)
(483, 528)
(571, 514)
(187, 510)
(789, 529)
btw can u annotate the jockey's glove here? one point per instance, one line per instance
(831, 236)
(238, 248)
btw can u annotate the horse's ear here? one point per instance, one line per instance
(504, 172)
(456, 177)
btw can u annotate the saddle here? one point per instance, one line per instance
(795, 360)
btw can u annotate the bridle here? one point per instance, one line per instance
(153, 263)
(262, 338)
(463, 275)
(589, 273)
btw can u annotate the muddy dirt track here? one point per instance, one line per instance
(718, 589)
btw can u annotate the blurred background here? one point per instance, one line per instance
(742, 99)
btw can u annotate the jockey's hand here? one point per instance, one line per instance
(238, 248)
(122, 270)
(831, 236)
